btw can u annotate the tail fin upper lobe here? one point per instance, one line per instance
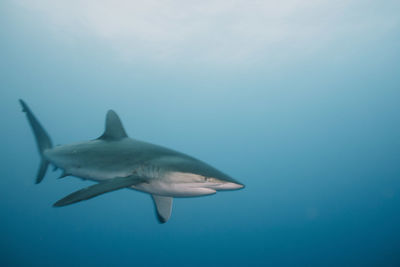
(43, 140)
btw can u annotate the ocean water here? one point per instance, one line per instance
(300, 103)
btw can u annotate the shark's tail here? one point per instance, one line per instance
(43, 140)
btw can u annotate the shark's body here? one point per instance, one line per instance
(117, 161)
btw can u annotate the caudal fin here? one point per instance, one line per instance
(43, 140)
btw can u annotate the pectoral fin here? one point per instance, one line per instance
(163, 207)
(98, 189)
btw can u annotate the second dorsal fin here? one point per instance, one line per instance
(114, 129)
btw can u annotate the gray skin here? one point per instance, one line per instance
(166, 172)
(117, 161)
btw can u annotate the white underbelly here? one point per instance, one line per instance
(172, 186)
(174, 189)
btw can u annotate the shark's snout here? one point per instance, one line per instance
(217, 184)
(230, 186)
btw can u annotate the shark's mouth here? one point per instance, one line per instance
(224, 186)
(179, 184)
(198, 181)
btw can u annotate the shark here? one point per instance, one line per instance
(115, 161)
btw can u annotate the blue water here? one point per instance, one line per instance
(313, 134)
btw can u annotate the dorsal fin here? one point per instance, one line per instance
(114, 129)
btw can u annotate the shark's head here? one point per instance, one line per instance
(196, 174)
(199, 184)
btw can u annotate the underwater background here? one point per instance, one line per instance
(298, 101)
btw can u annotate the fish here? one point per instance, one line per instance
(116, 161)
